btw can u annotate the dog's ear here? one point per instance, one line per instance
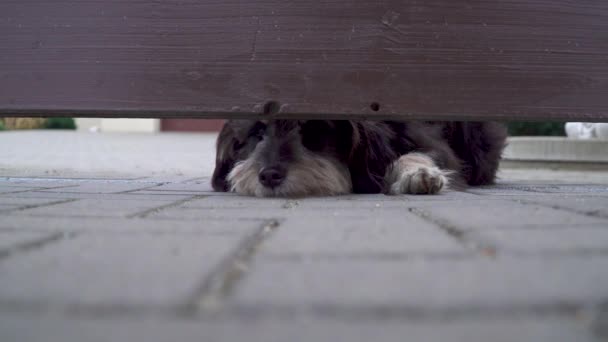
(369, 156)
(232, 136)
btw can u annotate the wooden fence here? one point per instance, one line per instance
(400, 59)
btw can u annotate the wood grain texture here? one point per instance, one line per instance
(412, 59)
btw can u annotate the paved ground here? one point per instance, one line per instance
(119, 238)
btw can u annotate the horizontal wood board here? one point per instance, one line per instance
(407, 59)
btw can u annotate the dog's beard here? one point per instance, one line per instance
(310, 175)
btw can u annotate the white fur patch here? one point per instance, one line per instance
(416, 173)
(311, 175)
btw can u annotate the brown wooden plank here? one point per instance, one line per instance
(465, 59)
(191, 125)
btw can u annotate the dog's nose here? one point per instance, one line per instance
(272, 176)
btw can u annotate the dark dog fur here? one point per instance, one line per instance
(311, 158)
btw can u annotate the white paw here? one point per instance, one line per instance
(422, 180)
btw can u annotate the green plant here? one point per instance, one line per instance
(2, 128)
(536, 128)
(60, 123)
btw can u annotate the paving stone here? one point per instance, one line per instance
(448, 195)
(43, 182)
(586, 189)
(195, 214)
(407, 235)
(284, 212)
(184, 192)
(591, 205)
(10, 240)
(575, 239)
(54, 185)
(118, 225)
(18, 328)
(132, 196)
(501, 191)
(102, 187)
(250, 207)
(15, 184)
(532, 189)
(233, 201)
(481, 214)
(369, 204)
(222, 207)
(185, 187)
(420, 284)
(20, 202)
(96, 208)
(13, 189)
(107, 270)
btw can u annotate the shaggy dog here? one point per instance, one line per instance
(287, 158)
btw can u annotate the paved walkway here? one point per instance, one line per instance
(119, 238)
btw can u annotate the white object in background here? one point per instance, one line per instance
(118, 125)
(601, 130)
(130, 125)
(587, 130)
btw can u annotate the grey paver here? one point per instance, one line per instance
(502, 213)
(199, 186)
(15, 201)
(107, 270)
(13, 189)
(369, 236)
(550, 240)
(98, 187)
(91, 207)
(442, 284)
(118, 225)
(132, 196)
(591, 205)
(17, 328)
(13, 240)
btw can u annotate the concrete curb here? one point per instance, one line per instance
(556, 149)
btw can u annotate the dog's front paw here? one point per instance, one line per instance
(423, 180)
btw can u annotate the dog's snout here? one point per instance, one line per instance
(272, 176)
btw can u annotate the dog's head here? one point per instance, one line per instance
(287, 158)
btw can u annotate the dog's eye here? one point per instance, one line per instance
(314, 135)
(237, 145)
(258, 131)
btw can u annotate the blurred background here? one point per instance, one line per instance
(202, 125)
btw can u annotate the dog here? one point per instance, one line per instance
(290, 158)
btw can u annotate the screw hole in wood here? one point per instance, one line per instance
(271, 107)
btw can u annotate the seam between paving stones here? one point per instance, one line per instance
(252, 312)
(376, 256)
(484, 248)
(41, 205)
(147, 212)
(221, 281)
(400, 257)
(39, 188)
(207, 178)
(159, 218)
(77, 179)
(121, 232)
(90, 193)
(140, 189)
(411, 313)
(34, 244)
